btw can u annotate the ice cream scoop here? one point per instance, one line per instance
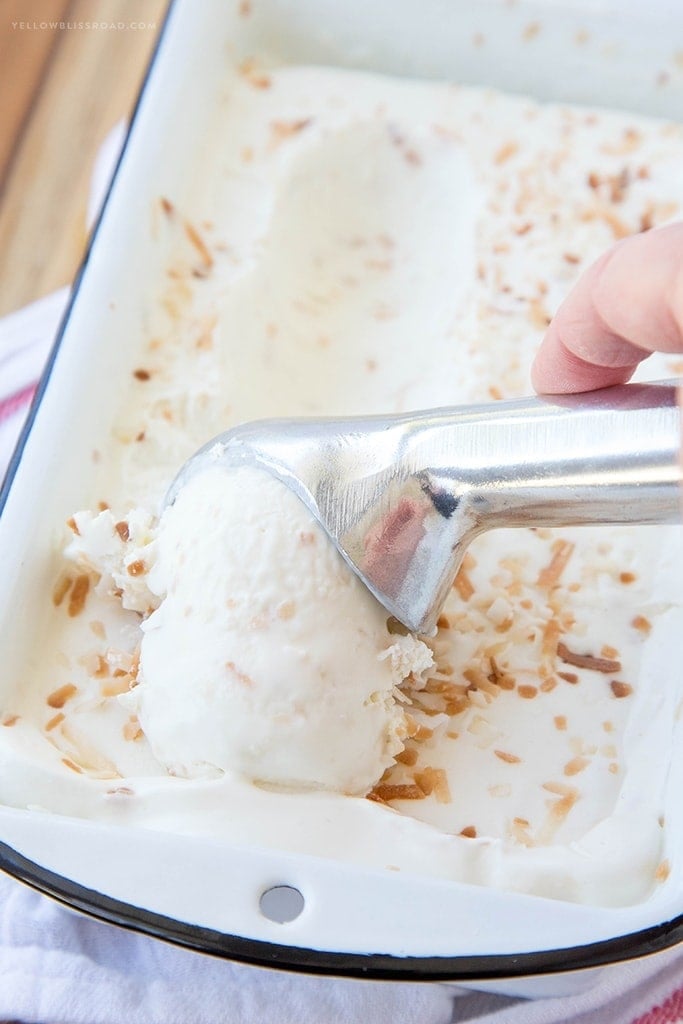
(402, 496)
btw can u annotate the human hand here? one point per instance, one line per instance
(627, 305)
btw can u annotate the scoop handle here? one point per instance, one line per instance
(607, 457)
(612, 456)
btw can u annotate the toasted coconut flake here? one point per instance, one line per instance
(456, 707)
(122, 530)
(608, 651)
(560, 722)
(70, 764)
(479, 698)
(240, 676)
(71, 523)
(519, 830)
(568, 796)
(559, 788)
(485, 732)
(95, 665)
(61, 589)
(407, 756)
(386, 791)
(606, 665)
(101, 667)
(199, 244)
(286, 129)
(54, 721)
(538, 315)
(59, 697)
(506, 682)
(132, 730)
(256, 77)
(559, 809)
(444, 688)
(286, 610)
(468, 832)
(501, 678)
(424, 780)
(548, 685)
(551, 636)
(550, 575)
(463, 584)
(620, 689)
(504, 755)
(426, 709)
(616, 224)
(479, 680)
(78, 595)
(411, 726)
(136, 568)
(434, 780)
(527, 692)
(642, 624)
(576, 765)
(663, 871)
(507, 150)
(115, 687)
(569, 677)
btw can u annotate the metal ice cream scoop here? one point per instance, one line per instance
(403, 496)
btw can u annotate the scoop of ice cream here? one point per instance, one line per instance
(267, 656)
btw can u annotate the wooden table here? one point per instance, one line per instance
(69, 70)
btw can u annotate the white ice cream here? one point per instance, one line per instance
(356, 245)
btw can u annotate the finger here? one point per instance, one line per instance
(557, 370)
(628, 304)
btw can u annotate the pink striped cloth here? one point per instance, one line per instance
(60, 968)
(25, 340)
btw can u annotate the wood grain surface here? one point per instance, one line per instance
(69, 70)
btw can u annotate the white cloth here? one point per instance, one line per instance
(57, 967)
